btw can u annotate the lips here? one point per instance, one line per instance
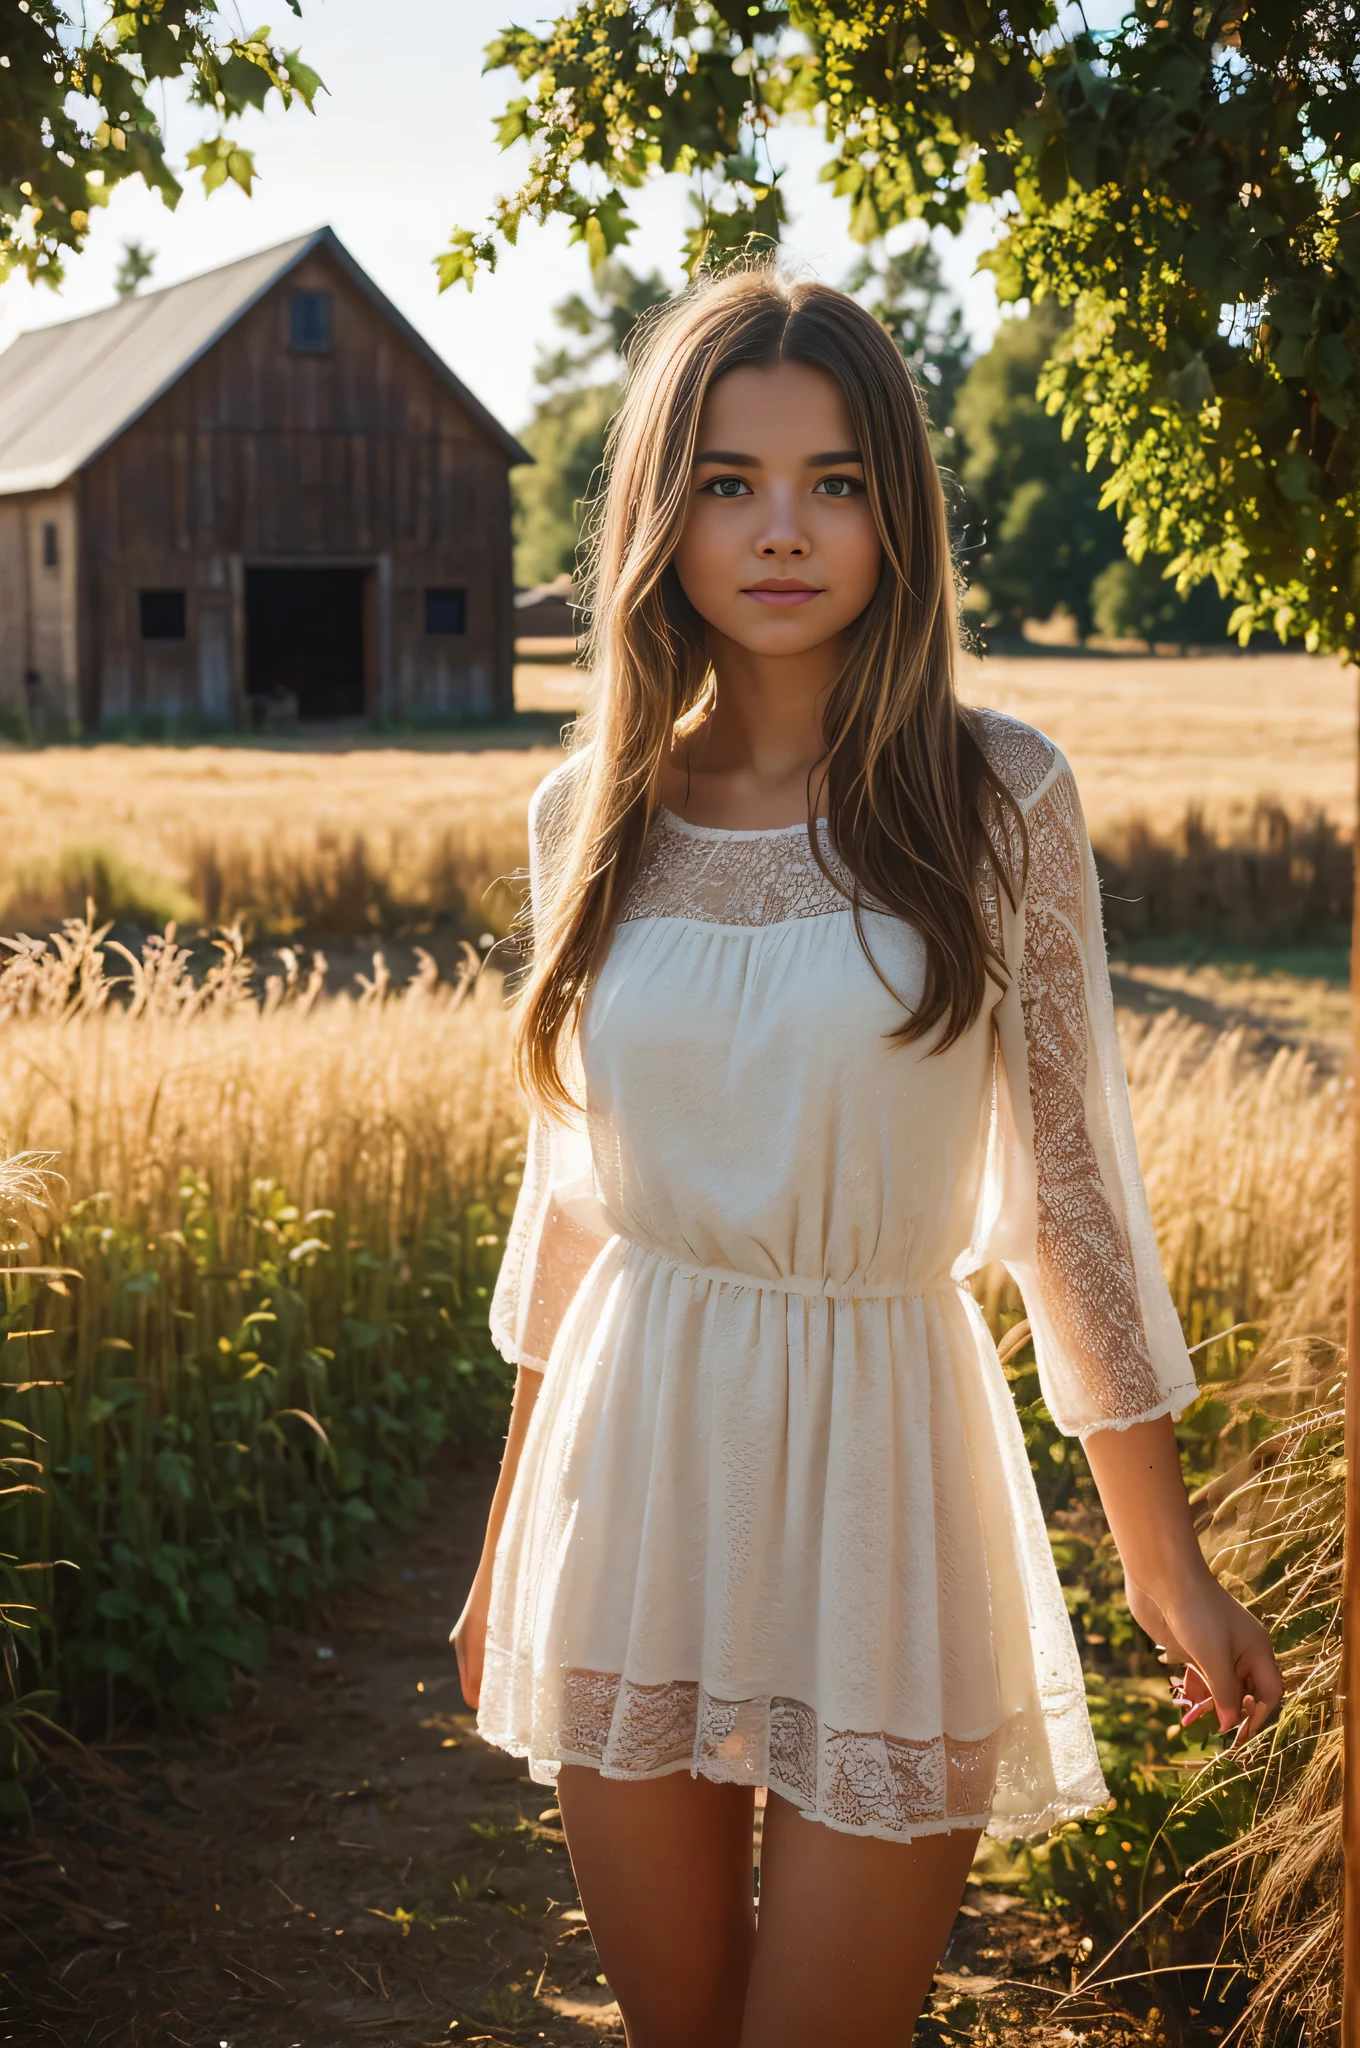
(781, 591)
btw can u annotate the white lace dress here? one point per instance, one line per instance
(774, 1521)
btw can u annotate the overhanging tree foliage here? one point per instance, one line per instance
(77, 114)
(1187, 184)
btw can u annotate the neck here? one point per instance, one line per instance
(766, 722)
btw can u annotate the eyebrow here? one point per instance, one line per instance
(737, 461)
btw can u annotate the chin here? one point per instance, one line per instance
(780, 635)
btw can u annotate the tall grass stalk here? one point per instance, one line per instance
(1245, 1165)
(1273, 1530)
(1263, 1902)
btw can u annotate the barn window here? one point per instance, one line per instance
(50, 553)
(163, 614)
(446, 611)
(310, 329)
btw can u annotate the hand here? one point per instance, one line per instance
(469, 1638)
(1229, 1663)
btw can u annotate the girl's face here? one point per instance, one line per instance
(779, 551)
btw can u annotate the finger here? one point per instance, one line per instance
(1261, 1676)
(1192, 1694)
(1226, 1688)
(1262, 1694)
(1253, 1714)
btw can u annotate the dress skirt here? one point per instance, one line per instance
(767, 1531)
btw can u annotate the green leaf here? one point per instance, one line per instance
(465, 255)
(302, 80)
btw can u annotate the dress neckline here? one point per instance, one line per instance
(676, 823)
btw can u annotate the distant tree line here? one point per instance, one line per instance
(1031, 537)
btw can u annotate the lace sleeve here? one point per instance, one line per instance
(1076, 1231)
(558, 1226)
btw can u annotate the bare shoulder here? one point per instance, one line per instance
(1024, 758)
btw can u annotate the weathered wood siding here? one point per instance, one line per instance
(39, 656)
(261, 457)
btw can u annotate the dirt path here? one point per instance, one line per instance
(342, 1860)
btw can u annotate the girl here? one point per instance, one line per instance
(818, 1023)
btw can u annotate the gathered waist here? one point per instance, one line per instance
(814, 1286)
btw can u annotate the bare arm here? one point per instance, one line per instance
(469, 1631)
(1172, 1593)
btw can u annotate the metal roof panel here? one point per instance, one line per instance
(66, 391)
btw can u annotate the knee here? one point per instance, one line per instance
(700, 2008)
(683, 2021)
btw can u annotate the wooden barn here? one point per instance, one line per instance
(255, 496)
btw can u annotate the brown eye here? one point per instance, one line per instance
(838, 486)
(727, 487)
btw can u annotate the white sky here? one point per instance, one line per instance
(401, 149)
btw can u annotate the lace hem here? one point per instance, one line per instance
(864, 1783)
(1176, 1401)
(522, 1361)
(883, 1786)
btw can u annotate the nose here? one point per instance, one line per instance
(783, 538)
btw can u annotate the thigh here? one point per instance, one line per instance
(664, 1869)
(851, 1931)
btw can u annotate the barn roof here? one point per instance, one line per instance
(66, 391)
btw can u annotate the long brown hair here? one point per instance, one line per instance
(916, 813)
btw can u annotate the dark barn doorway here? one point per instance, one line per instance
(305, 640)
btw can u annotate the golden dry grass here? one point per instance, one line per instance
(1150, 737)
(387, 1107)
(1244, 1161)
(330, 835)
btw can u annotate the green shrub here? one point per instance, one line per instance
(214, 1436)
(120, 892)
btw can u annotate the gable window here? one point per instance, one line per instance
(163, 614)
(310, 322)
(51, 555)
(446, 611)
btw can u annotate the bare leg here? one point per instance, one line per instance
(664, 1871)
(851, 1931)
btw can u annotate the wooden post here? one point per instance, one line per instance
(387, 678)
(1350, 1592)
(236, 584)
